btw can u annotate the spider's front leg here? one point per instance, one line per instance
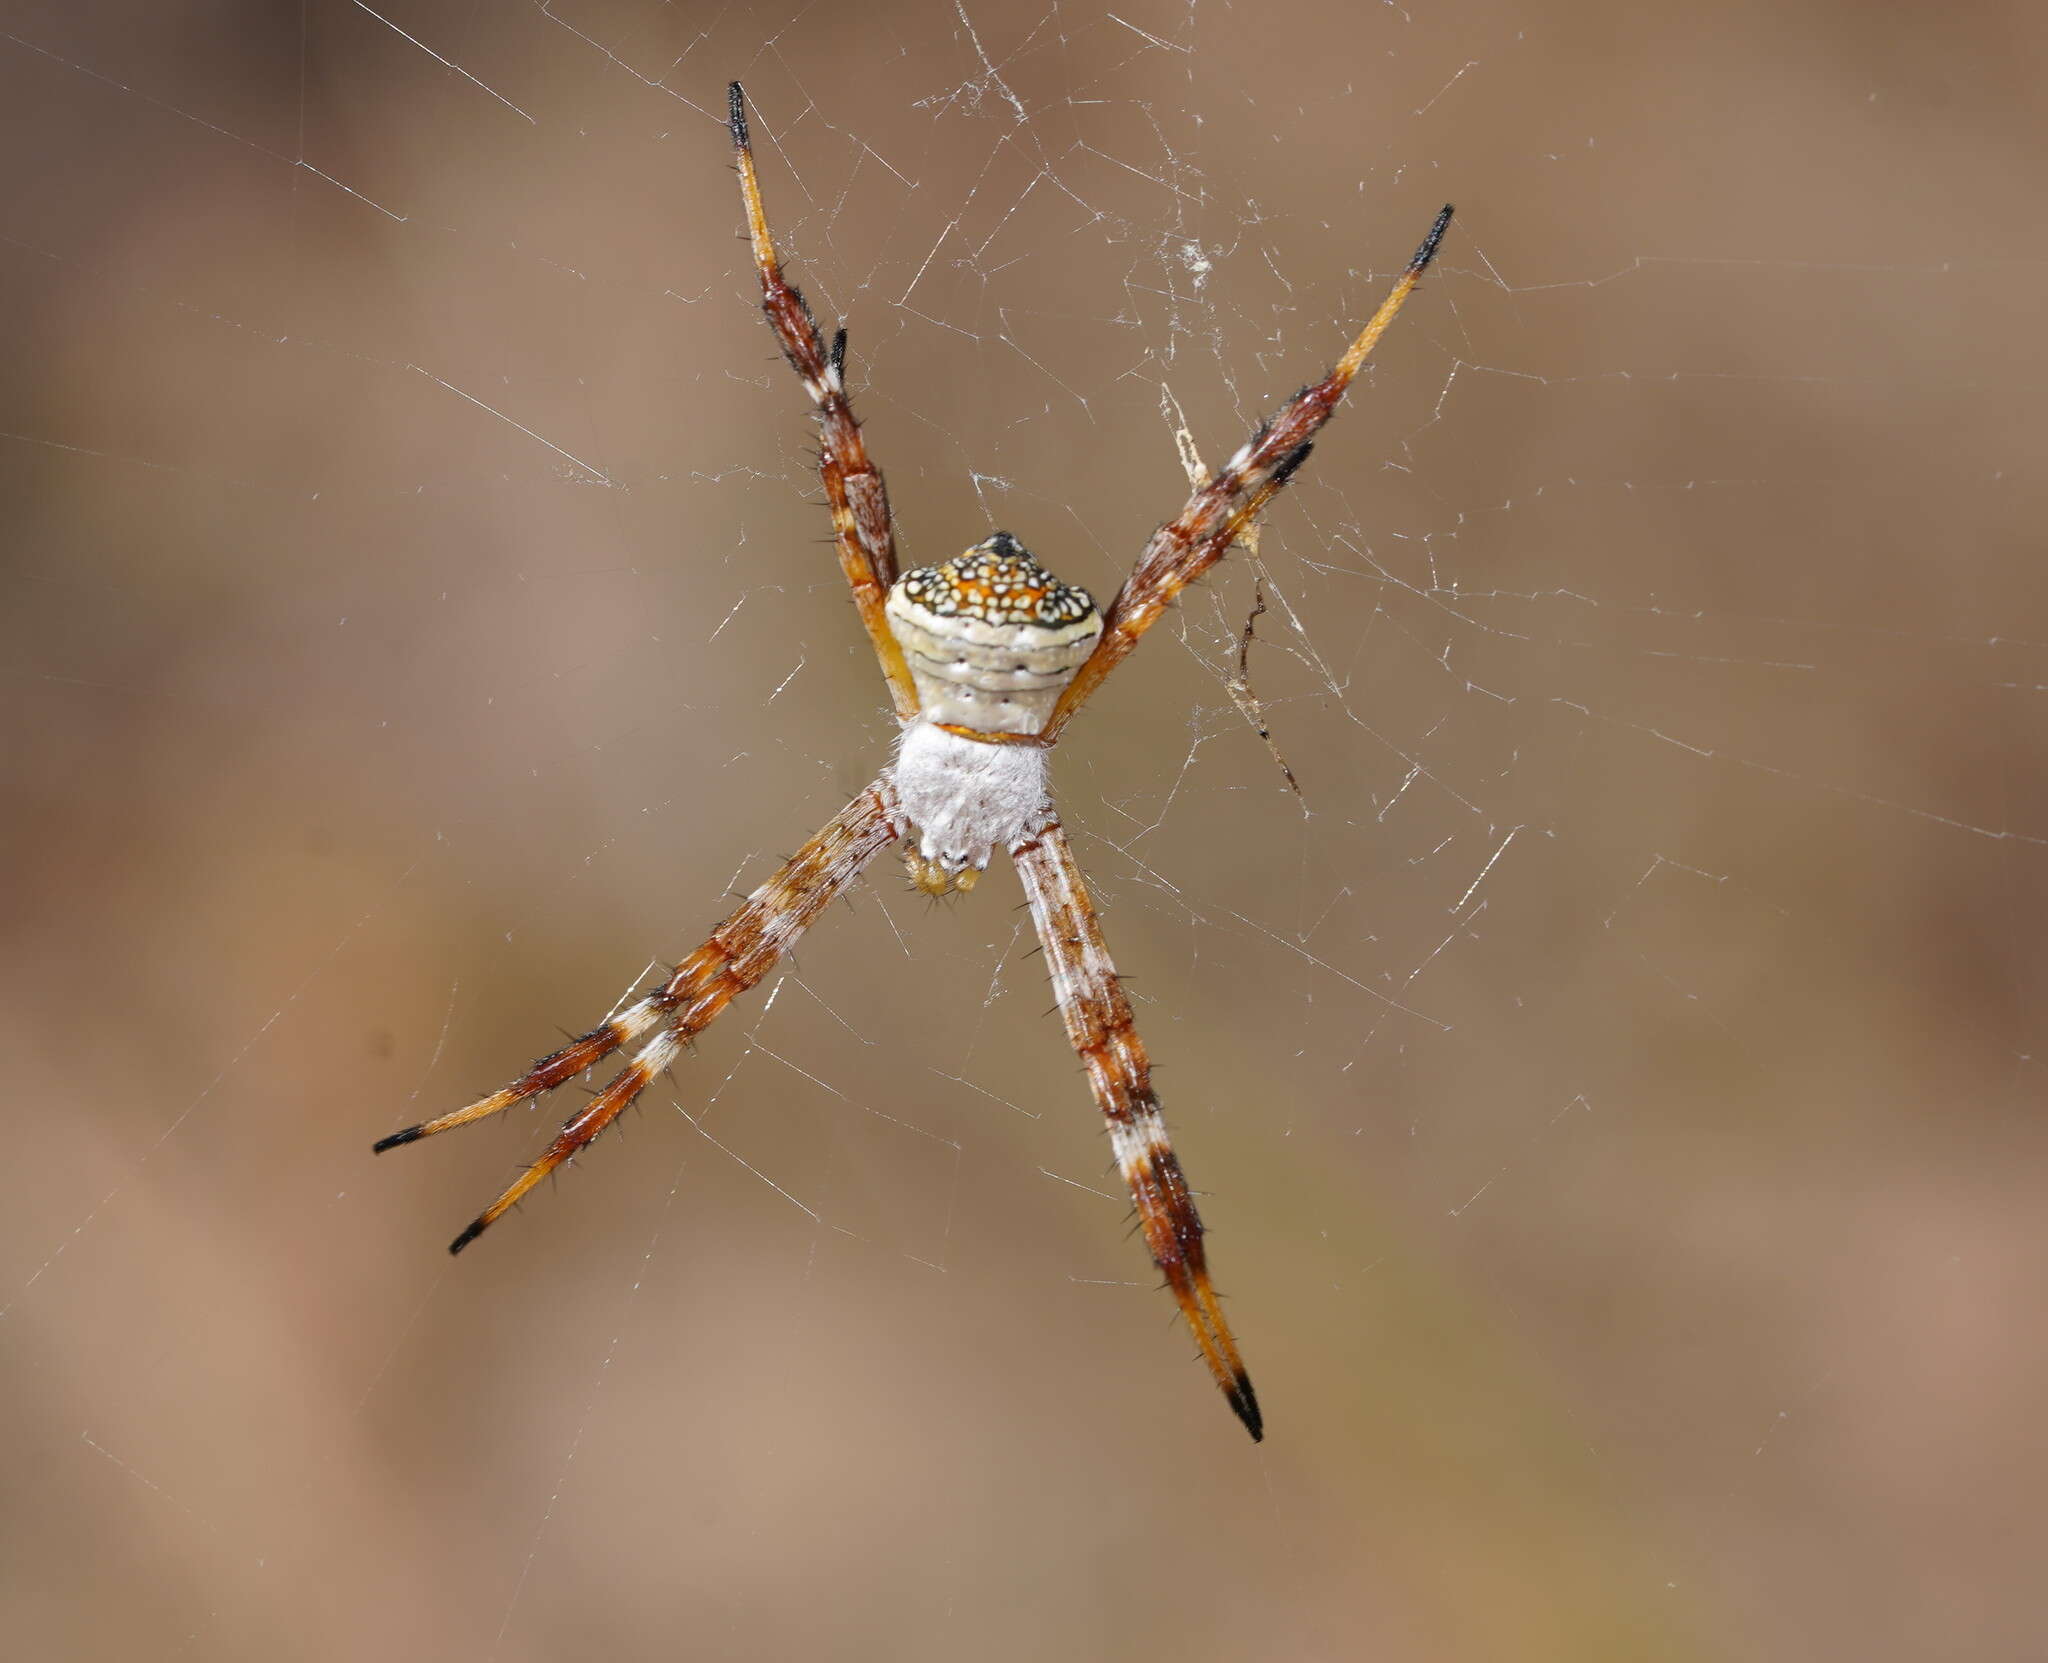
(738, 954)
(1102, 1030)
(853, 484)
(1222, 510)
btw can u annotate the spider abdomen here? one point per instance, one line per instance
(991, 636)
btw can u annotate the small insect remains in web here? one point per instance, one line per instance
(987, 657)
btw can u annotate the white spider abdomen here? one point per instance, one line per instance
(991, 639)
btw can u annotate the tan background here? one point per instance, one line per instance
(1615, 1085)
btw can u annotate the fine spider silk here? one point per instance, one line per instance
(987, 657)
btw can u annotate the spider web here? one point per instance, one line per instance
(1611, 1074)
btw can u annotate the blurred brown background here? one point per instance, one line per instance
(1614, 1082)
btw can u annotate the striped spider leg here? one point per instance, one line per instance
(853, 485)
(737, 954)
(1220, 511)
(1101, 1029)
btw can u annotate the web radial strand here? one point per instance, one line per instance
(1104, 1034)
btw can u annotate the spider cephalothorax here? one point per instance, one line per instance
(986, 657)
(992, 640)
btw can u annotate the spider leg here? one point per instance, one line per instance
(853, 485)
(1220, 511)
(1102, 1031)
(737, 955)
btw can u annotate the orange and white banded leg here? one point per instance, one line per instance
(1219, 512)
(853, 484)
(1102, 1030)
(737, 955)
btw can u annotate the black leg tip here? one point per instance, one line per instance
(412, 1134)
(1246, 1405)
(736, 115)
(477, 1229)
(1427, 252)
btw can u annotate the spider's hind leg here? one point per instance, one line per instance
(737, 955)
(1105, 1036)
(556, 1068)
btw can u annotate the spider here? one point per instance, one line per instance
(987, 657)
